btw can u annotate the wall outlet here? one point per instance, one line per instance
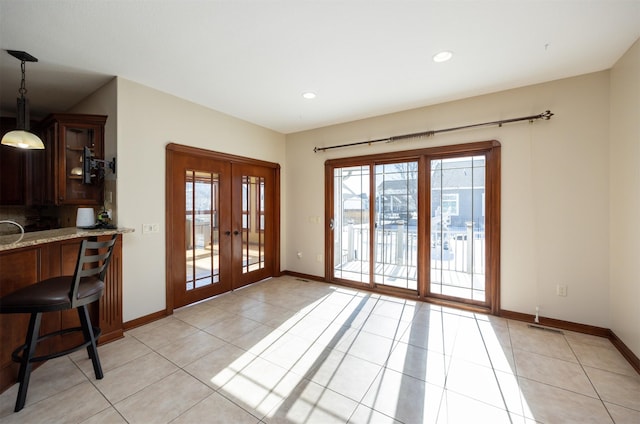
(150, 228)
(561, 290)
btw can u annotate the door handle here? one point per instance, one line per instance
(236, 232)
(331, 224)
(227, 233)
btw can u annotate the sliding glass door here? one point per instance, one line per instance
(350, 223)
(458, 243)
(426, 225)
(396, 223)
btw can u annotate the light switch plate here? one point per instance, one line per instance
(150, 228)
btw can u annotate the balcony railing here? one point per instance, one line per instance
(460, 250)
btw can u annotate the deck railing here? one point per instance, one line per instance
(460, 250)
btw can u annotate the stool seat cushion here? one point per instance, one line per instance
(50, 295)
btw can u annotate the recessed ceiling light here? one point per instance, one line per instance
(443, 56)
(309, 95)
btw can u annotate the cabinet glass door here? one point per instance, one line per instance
(75, 140)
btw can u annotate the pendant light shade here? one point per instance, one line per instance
(21, 137)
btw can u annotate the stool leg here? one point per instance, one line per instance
(92, 350)
(25, 365)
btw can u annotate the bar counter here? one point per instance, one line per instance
(8, 242)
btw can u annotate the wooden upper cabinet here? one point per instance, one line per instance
(65, 136)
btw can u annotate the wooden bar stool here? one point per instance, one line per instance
(57, 294)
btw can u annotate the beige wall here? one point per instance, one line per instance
(147, 121)
(624, 187)
(570, 196)
(104, 101)
(555, 188)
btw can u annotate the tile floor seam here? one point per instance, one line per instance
(141, 388)
(446, 368)
(561, 388)
(349, 420)
(546, 356)
(515, 370)
(86, 379)
(230, 399)
(493, 370)
(215, 392)
(380, 371)
(92, 382)
(482, 401)
(620, 405)
(637, 375)
(604, 405)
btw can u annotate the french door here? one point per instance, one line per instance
(421, 223)
(222, 221)
(252, 207)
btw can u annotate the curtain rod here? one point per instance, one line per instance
(545, 115)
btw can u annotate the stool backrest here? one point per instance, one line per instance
(93, 260)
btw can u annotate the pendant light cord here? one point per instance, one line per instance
(23, 87)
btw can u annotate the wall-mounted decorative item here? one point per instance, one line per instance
(91, 167)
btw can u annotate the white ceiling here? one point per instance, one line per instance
(253, 59)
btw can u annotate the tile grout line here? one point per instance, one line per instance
(493, 370)
(92, 382)
(515, 370)
(589, 378)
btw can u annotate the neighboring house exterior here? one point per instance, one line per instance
(458, 192)
(397, 201)
(457, 196)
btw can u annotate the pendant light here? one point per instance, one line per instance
(21, 137)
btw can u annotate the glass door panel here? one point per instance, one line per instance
(458, 228)
(351, 223)
(253, 223)
(396, 221)
(198, 230)
(202, 234)
(253, 211)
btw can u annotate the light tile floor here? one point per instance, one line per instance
(293, 351)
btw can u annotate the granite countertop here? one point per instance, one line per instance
(42, 237)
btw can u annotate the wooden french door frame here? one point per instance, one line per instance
(256, 185)
(491, 151)
(175, 236)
